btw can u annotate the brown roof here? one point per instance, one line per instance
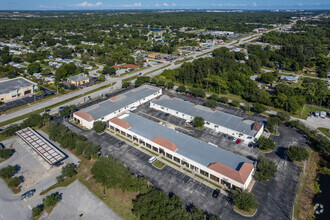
(165, 143)
(257, 126)
(132, 66)
(116, 67)
(239, 176)
(120, 122)
(84, 115)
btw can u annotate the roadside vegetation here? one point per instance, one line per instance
(48, 204)
(245, 202)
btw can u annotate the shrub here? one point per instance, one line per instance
(181, 89)
(214, 97)
(7, 171)
(272, 123)
(198, 122)
(198, 92)
(211, 103)
(51, 200)
(126, 84)
(69, 170)
(5, 153)
(169, 85)
(283, 116)
(265, 143)
(223, 100)
(296, 153)
(235, 103)
(258, 108)
(160, 83)
(14, 182)
(266, 169)
(244, 200)
(36, 211)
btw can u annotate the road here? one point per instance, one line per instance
(118, 80)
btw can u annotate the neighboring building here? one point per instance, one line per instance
(78, 80)
(154, 55)
(130, 66)
(18, 87)
(108, 109)
(289, 78)
(207, 160)
(231, 125)
(43, 147)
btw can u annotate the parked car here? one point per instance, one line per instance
(234, 139)
(238, 141)
(317, 114)
(323, 114)
(152, 159)
(28, 194)
(215, 193)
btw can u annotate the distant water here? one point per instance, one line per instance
(323, 199)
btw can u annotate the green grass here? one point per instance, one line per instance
(182, 61)
(171, 162)
(200, 55)
(153, 153)
(325, 131)
(265, 151)
(251, 212)
(189, 171)
(147, 73)
(63, 183)
(124, 138)
(130, 78)
(21, 117)
(206, 180)
(311, 108)
(158, 164)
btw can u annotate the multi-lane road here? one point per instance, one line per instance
(155, 68)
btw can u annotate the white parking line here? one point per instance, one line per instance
(30, 207)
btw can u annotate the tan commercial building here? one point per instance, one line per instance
(154, 55)
(211, 162)
(78, 80)
(13, 88)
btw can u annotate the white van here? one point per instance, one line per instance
(152, 159)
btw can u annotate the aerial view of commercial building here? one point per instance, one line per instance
(111, 107)
(219, 121)
(13, 88)
(214, 163)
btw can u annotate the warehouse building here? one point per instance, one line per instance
(231, 125)
(43, 147)
(109, 108)
(13, 88)
(209, 161)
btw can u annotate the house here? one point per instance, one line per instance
(131, 66)
(289, 78)
(78, 80)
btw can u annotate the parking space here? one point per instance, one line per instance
(79, 203)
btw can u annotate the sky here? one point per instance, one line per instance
(164, 4)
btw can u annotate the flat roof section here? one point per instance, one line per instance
(113, 104)
(42, 146)
(223, 119)
(7, 86)
(189, 147)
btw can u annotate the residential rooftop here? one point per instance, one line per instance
(223, 119)
(11, 85)
(120, 101)
(78, 78)
(199, 151)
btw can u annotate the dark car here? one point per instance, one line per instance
(215, 193)
(120, 144)
(28, 194)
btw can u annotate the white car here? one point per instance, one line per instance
(152, 159)
(235, 139)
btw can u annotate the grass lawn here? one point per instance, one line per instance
(170, 162)
(189, 171)
(63, 183)
(325, 131)
(310, 108)
(251, 212)
(182, 61)
(265, 151)
(153, 153)
(145, 74)
(14, 189)
(158, 164)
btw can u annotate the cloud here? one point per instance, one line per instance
(89, 5)
(254, 4)
(136, 4)
(300, 4)
(173, 4)
(165, 4)
(50, 6)
(157, 5)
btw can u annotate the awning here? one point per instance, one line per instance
(18, 93)
(13, 95)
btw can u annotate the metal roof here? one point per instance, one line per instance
(223, 119)
(189, 147)
(43, 147)
(12, 85)
(107, 107)
(78, 78)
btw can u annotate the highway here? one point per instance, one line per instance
(118, 80)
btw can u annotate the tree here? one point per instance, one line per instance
(272, 123)
(36, 211)
(7, 171)
(109, 70)
(283, 116)
(235, 103)
(268, 77)
(181, 89)
(67, 110)
(33, 68)
(265, 143)
(126, 84)
(258, 108)
(211, 103)
(14, 182)
(5, 153)
(223, 100)
(296, 153)
(69, 170)
(244, 200)
(142, 79)
(99, 126)
(160, 83)
(266, 169)
(51, 200)
(198, 122)
(11, 130)
(169, 85)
